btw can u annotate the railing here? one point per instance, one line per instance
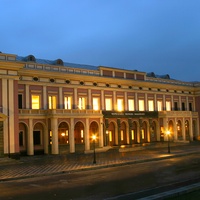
(177, 113)
(57, 112)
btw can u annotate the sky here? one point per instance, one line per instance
(160, 36)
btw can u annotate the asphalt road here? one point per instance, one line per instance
(122, 182)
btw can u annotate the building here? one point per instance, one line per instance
(53, 107)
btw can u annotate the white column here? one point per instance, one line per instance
(54, 129)
(180, 107)
(164, 103)
(30, 146)
(136, 102)
(75, 98)
(125, 101)
(5, 111)
(191, 129)
(183, 129)
(71, 136)
(145, 102)
(175, 130)
(114, 100)
(27, 97)
(89, 99)
(11, 116)
(46, 138)
(155, 103)
(45, 97)
(102, 100)
(187, 104)
(60, 98)
(87, 137)
(101, 133)
(165, 127)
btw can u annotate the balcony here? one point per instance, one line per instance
(58, 112)
(177, 114)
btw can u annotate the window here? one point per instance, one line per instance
(151, 105)
(141, 105)
(36, 137)
(67, 102)
(132, 134)
(20, 101)
(183, 106)
(108, 104)
(190, 106)
(168, 106)
(120, 104)
(131, 106)
(35, 101)
(122, 135)
(159, 104)
(95, 103)
(175, 105)
(81, 103)
(52, 102)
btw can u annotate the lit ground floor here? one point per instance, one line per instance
(61, 134)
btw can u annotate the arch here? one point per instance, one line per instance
(94, 130)
(123, 132)
(38, 138)
(144, 132)
(30, 58)
(79, 136)
(59, 62)
(111, 134)
(154, 131)
(134, 132)
(171, 129)
(179, 130)
(63, 133)
(23, 132)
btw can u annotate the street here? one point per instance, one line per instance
(105, 183)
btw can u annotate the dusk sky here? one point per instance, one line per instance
(160, 36)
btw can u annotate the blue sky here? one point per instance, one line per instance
(160, 36)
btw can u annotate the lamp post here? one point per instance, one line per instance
(168, 134)
(94, 139)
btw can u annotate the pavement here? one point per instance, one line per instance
(44, 165)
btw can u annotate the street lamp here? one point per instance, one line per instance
(168, 134)
(94, 139)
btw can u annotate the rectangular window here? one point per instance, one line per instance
(110, 136)
(35, 101)
(175, 105)
(120, 104)
(95, 103)
(36, 137)
(151, 105)
(190, 106)
(82, 103)
(141, 105)
(143, 134)
(132, 134)
(131, 106)
(108, 104)
(52, 102)
(168, 106)
(67, 102)
(159, 104)
(122, 135)
(183, 106)
(20, 101)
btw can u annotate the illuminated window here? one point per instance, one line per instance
(81, 103)
(159, 103)
(120, 104)
(132, 134)
(110, 136)
(52, 102)
(143, 134)
(122, 135)
(35, 102)
(168, 106)
(151, 106)
(95, 103)
(68, 102)
(141, 105)
(131, 106)
(81, 136)
(108, 104)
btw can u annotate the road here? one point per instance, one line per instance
(107, 182)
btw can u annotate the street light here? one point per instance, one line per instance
(94, 139)
(168, 134)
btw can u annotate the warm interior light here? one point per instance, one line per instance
(94, 137)
(63, 134)
(168, 132)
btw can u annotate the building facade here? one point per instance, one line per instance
(53, 107)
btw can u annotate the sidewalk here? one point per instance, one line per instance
(43, 165)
